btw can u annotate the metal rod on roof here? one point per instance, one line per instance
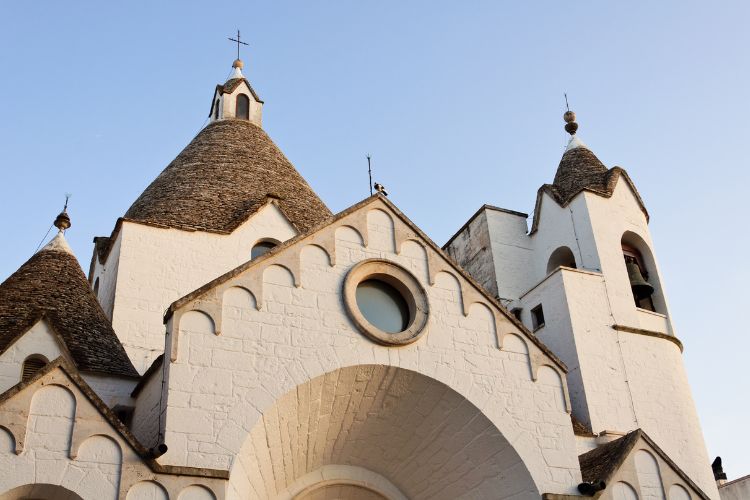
(369, 172)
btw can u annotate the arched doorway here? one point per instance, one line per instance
(421, 437)
(41, 492)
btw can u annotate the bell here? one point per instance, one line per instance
(641, 288)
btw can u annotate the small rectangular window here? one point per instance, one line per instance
(516, 311)
(537, 317)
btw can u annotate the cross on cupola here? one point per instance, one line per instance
(239, 42)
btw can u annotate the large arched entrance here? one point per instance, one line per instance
(41, 492)
(377, 431)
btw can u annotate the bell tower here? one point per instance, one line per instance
(585, 279)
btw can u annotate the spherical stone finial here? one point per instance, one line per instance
(238, 64)
(62, 221)
(570, 122)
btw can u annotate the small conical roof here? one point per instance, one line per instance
(51, 285)
(227, 172)
(579, 169)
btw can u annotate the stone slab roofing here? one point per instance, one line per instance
(51, 285)
(580, 170)
(226, 173)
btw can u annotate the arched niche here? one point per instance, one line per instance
(196, 492)
(380, 230)
(147, 490)
(561, 257)
(649, 476)
(677, 492)
(623, 491)
(416, 432)
(50, 424)
(634, 244)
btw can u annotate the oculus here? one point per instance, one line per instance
(386, 302)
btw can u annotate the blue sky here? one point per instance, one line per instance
(459, 103)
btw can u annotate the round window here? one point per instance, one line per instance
(383, 306)
(386, 302)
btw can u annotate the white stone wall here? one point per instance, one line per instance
(220, 386)
(39, 339)
(106, 273)
(113, 390)
(54, 443)
(158, 266)
(739, 489)
(145, 424)
(645, 475)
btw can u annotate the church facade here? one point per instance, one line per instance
(234, 339)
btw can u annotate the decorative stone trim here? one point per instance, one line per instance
(649, 333)
(404, 282)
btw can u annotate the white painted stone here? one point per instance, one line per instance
(38, 340)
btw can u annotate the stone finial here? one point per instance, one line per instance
(570, 122)
(238, 64)
(62, 221)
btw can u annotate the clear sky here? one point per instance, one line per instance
(459, 103)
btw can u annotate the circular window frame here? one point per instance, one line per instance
(405, 283)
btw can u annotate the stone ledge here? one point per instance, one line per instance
(649, 333)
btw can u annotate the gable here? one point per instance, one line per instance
(636, 463)
(61, 433)
(40, 339)
(209, 297)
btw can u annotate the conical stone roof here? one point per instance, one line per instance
(579, 169)
(227, 172)
(51, 285)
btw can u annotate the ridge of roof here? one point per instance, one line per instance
(51, 285)
(377, 196)
(221, 178)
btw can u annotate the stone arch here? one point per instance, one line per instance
(196, 492)
(649, 476)
(637, 242)
(415, 430)
(623, 491)
(101, 457)
(278, 274)
(350, 234)
(40, 490)
(677, 492)
(316, 255)
(147, 490)
(197, 321)
(381, 230)
(481, 317)
(415, 258)
(7, 440)
(364, 484)
(553, 384)
(238, 297)
(561, 257)
(50, 423)
(449, 291)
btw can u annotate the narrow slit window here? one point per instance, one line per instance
(216, 110)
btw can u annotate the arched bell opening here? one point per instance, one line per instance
(418, 434)
(642, 273)
(561, 257)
